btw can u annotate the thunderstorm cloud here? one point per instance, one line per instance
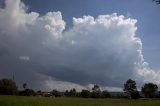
(39, 50)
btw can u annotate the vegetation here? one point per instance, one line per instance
(41, 101)
(131, 89)
(56, 93)
(150, 90)
(27, 92)
(96, 92)
(8, 87)
(105, 94)
(85, 93)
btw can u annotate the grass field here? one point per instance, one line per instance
(41, 101)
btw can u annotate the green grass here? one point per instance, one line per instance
(41, 101)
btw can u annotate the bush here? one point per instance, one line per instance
(56, 93)
(27, 92)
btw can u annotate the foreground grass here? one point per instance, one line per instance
(41, 101)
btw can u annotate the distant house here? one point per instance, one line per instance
(44, 94)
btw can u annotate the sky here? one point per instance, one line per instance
(61, 44)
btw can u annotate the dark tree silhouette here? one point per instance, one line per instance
(72, 92)
(105, 94)
(56, 93)
(96, 88)
(66, 93)
(96, 92)
(27, 92)
(85, 93)
(131, 89)
(8, 87)
(149, 90)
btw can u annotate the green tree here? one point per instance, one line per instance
(96, 92)
(149, 90)
(85, 93)
(66, 93)
(56, 93)
(72, 92)
(105, 94)
(131, 89)
(135, 95)
(8, 87)
(27, 92)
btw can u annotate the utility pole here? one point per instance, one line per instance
(13, 76)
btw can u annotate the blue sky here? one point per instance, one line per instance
(145, 11)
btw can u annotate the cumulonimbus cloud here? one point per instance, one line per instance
(103, 50)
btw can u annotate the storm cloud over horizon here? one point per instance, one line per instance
(40, 50)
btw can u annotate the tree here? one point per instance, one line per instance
(39, 92)
(72, 92)
(105, 94)
(66, 93)
(8, 87)
(27, 92)
(96, 92)
(85, 93)
(131, 89)
(56, 93)
(149, 90)
(135, 95)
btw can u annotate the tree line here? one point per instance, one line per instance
(148, 90)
